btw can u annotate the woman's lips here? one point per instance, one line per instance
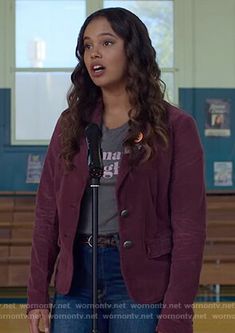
(97, 70)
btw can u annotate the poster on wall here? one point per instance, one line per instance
(217, 118)
(34, 168)
(223, 173)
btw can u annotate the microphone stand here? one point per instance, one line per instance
(94, 184)
(95, 163)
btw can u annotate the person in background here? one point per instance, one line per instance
(218, 121)
(152, 194)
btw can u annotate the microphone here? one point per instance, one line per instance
(95, 161)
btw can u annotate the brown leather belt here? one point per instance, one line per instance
(109, 240)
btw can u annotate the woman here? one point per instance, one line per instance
(152, 194)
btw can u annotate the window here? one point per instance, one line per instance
(45, 39)
(46, 34)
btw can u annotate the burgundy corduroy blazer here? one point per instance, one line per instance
(161, 207)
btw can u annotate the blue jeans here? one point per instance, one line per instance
(117, 313)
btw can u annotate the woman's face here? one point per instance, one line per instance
(219, 119)
(104, 55)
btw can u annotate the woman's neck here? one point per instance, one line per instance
(116, 108)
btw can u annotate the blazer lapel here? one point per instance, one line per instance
(124, 170)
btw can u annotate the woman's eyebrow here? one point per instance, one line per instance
(101, 34)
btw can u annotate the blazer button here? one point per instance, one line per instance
(128, 244)
(124, 213)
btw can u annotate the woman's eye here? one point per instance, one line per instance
(108, 42)
(87, 46)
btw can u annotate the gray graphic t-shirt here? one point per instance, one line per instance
(112, 148)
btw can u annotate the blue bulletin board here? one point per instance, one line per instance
(214, 112)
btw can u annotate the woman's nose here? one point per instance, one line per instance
(95, 53)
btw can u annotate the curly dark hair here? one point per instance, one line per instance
(144, 87)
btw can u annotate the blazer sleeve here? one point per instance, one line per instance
(44, 249)
(188, 219)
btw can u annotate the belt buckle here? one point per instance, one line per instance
(114, 241)
(89, 241)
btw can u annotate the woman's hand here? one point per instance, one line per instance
(35, 316)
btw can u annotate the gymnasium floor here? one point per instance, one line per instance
(214, 313)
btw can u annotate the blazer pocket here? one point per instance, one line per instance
(158, 247)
